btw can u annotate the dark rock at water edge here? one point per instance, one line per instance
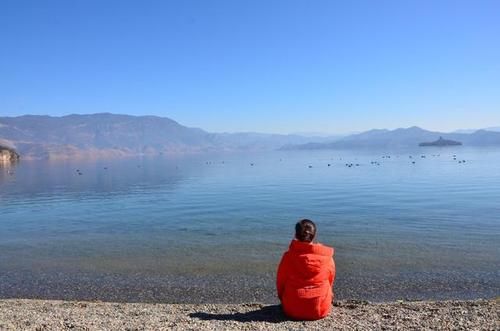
(8, 155)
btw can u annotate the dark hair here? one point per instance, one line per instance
(305, 230)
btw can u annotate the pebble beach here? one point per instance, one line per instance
(28, 314)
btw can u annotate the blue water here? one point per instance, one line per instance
(395, 225)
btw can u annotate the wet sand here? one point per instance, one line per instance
(24, 314)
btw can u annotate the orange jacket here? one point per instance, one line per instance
(305, 278)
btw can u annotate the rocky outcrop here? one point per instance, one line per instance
(8, 155)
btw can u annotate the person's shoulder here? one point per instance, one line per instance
(324, 249)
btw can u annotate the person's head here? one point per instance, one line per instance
(305, 230)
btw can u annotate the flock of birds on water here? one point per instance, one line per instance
(348, 165)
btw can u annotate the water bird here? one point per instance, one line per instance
(251, 164)
(357, 164)
(422, 156)
(329, 164)
(413, 162)
(310, 166)
(105, 168)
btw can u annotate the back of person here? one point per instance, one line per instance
(306, 275)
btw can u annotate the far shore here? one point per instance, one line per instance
(28, 314)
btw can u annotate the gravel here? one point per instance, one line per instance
(27, 314)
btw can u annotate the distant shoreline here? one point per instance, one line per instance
(16, 314)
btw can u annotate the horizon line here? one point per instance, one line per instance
(296, 133)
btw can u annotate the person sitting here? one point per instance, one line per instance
(306, 275)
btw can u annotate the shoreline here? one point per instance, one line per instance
(234, 288)
(32, 314)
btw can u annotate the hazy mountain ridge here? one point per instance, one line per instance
(262, 141)
(107, 134)
(402, 138)
(46, 136)
(493, 128)
(104, 134)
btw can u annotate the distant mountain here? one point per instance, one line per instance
(465, 131)
(119, 135)
(402, 138)
(441, 143)
(494, 128)
(262, 141)
(99, 134)
(322, 135)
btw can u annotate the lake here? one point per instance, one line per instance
(212, 228)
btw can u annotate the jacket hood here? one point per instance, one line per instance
(310, 260)
(300, 248)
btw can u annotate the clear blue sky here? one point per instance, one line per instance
(268, 66)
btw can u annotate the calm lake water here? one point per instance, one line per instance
(213, 227)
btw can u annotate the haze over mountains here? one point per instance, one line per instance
(120, 135)
(493, 128)
(402, 138)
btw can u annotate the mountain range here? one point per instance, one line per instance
(105, 134)
(402, 138)
(493, 128)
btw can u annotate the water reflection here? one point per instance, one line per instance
(234, 214)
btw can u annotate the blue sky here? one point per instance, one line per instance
(267, 66)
